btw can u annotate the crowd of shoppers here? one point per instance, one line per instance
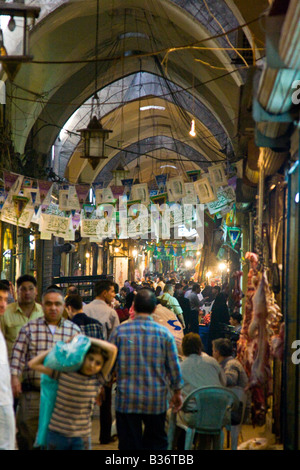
(144, 340)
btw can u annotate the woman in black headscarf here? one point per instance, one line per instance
(219, 317)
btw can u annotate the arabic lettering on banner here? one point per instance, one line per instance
(8, 214)
(225, 198)
(55, 224)
(88, 228)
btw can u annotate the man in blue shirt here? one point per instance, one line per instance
(147, 370)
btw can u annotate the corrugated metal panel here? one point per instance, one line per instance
(289, 44)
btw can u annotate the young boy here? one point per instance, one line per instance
(70, 424)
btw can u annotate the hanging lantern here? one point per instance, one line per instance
(119, 173)
(93, 138)
(12, 63)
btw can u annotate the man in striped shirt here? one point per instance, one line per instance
(147, 369)
(35, 337)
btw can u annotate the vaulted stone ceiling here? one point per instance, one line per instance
(145, 58)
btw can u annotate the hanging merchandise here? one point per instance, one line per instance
(234, 234)
(261, 324)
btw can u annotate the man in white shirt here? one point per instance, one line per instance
(7, 417)
(100, 308)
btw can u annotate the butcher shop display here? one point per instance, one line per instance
(261, 329)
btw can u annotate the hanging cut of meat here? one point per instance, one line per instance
(260, 370)
(261, 324)
(243, 351)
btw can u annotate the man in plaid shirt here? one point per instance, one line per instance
(147, 369)
(89, 326)
(35, 337)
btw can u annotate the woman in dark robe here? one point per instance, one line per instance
(219, 317)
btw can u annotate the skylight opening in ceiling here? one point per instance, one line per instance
(133, 35)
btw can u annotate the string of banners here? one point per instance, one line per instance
(125, 211)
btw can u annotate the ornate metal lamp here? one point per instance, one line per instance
(119, 173)
(94, 136)
(12, 63)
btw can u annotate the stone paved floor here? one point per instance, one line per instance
(248, 432)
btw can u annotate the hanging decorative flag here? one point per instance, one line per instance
(225, 198)
(204, 190)
(27, 182)
(127, 183)
(12, 183)
(140, 191)
(159, 199)
(190, 195)
(75, 220)
(20, 203)
(153, 192)
(117, 191)
(82, 191)
(193, 175)
(234, 235)
(88, 210)
(230, 217)
(45, 188)
(221, 253)
(2, 197)
(161, 182)
(217, 175)
(175, 188)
